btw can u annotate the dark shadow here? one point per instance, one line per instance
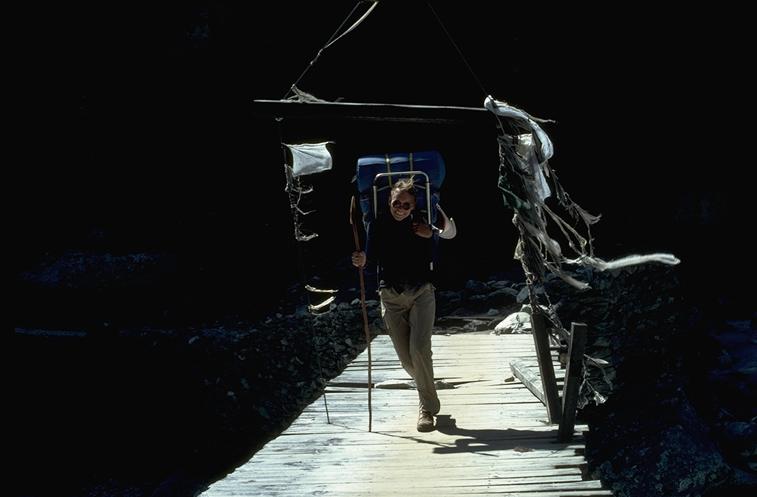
(414, 438)
(489, 440)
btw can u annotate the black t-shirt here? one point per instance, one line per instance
(403, 257)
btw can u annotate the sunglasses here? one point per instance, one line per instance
(405, 206)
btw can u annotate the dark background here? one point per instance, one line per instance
(140, 138)
(145, 138)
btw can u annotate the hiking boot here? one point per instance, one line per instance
(425, 421)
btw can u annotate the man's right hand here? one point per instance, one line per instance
(358, 259)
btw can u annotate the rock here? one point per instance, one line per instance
(475, 287)
(527, 309)
(669, 456)
(738, 440)
(475, 325)
(725, 360)
(502, 295)
(517, 322)
(498, 284)
(98, 270)
(522, 295)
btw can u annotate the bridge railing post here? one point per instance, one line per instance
(546, 369)
(572, 382)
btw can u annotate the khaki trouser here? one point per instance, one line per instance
(409, 317)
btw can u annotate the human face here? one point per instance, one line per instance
(397, 204)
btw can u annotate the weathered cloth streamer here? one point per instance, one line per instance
(310, 158)
(319, 290)
(526, 181)
(630, 260)
(524, 173)
(506, 110)
(450, 228)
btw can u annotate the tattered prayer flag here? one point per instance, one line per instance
(310, 158)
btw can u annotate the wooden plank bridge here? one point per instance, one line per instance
(493, 435)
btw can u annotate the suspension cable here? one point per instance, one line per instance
(457, 48)
(333, 40)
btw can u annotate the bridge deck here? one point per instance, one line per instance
(492, 435)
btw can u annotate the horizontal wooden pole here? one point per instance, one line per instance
(434, 114)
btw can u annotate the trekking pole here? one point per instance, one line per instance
(353, 213)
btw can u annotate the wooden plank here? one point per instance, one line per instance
(479, 466)
(573, 376)
(529, 378)
(546, 369)
(495, 441)
(459, 472)
(418, 493)
(375, 112)
(389, 486)
(335, 479)
(336, 428)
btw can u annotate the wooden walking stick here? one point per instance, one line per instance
(354, 218)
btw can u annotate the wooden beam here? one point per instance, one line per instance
(528, 377)
(434, 114)
(572, 380)
(546, 369)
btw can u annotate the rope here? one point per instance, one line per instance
(333, 40)
(460, 52)
(356, 24)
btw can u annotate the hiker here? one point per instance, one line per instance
(401, 243)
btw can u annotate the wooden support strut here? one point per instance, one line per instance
(572, 381)
(529, 378)
(547, 371)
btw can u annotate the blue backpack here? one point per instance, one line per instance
(377, 173)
